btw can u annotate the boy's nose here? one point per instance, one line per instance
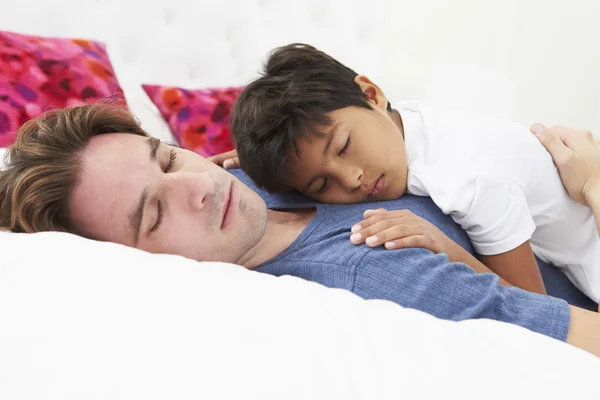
(350, 180)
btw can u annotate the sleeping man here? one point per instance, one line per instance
(92, 171)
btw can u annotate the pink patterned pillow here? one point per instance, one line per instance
(199, 119)
(39, 73)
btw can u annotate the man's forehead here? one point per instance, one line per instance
(109, 179)
(115, 140)
(97, 207)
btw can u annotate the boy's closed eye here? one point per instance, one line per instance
(345, 148)
(322, 188)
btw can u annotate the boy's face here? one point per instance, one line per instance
(361, 158)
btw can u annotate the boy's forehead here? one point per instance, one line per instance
(309, 153)
(308, 144)
(305, 164)
(332, 129)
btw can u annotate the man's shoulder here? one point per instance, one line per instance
(273, 200)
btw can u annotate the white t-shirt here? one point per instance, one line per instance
(499, 183)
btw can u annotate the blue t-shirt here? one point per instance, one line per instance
(415, 278)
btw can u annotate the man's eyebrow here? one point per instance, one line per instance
(328, 141)
(135, 218)
(154, 144)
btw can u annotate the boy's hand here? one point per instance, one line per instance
(228, 160)
(399, 229)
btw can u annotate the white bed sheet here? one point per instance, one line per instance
(88, 320)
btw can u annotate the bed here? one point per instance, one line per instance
(82, 319)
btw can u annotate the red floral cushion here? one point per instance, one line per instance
(199, 119)
(38, 73)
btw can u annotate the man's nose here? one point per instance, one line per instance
(191, 189)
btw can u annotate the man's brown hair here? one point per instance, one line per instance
(43, 164)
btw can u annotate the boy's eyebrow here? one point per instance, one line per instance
(330, 136)
(329, 139)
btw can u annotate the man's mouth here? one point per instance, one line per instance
(227, 207)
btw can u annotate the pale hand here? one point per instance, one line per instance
(399, 229)
(577, 157)
(228, 160)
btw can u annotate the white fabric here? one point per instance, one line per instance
(498, 182)
(88, 320)
(2, 155)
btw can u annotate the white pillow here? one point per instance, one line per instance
(87, 320)
(3, 151)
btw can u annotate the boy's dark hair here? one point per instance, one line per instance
(299, 86)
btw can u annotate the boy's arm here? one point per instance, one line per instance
(398, 229)
(495, 214)
(518, 267)
(457, 254)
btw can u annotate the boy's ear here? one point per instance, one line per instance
(376, 96)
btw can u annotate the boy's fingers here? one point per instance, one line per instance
(389, 217)
(370, 213)
(382, 236)
(220, 159)
(405, 242)
(370, 219)
(359, 236)
(231, 163)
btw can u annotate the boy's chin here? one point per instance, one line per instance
(385, 197)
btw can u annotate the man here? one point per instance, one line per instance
(93, 171)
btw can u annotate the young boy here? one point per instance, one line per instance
(312, 124)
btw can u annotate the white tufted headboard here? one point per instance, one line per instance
(524, 61)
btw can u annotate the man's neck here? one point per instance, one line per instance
(283, 227)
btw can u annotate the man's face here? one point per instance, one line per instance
(135, 191)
